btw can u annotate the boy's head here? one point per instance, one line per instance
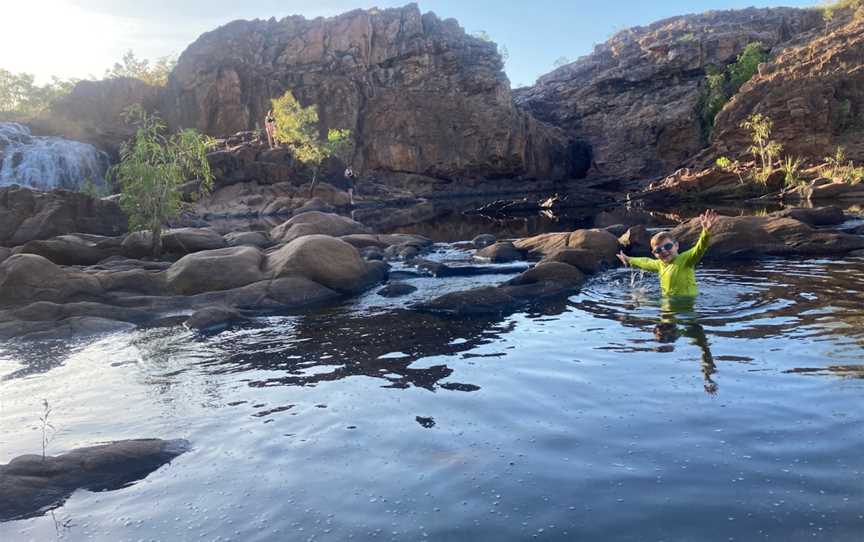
(664, 247)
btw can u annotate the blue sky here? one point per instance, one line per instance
(87, 36)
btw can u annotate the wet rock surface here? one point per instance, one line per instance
(31, 485)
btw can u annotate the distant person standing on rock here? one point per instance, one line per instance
(350, 177)
(270, 127)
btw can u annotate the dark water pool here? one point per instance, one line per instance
(600, 417)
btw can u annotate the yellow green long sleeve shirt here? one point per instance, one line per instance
(678, 277)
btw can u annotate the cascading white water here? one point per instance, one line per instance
(45, 163)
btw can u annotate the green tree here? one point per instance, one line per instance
(723, 83)
(131, 66)
(21, 97)
(763, 149)
(152, 168)
(297, 127)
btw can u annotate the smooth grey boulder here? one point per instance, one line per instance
(210, 270)
(190, 240)
(258, 239)
(316, 223)
(326, 260)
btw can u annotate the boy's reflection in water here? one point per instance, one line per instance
(678, 317)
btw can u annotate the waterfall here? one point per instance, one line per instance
(45, 163)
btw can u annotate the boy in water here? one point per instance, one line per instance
(677, 277)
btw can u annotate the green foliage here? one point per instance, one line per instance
(721, 84)
(790, 166)
(726, 164)
(132, 66)
(21, 97)
(297, 127)
(482, 35)
(762, 148)
(93, 190)
(152, 168)
(837, 167)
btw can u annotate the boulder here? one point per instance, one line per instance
(636, 241)
(314, 204)
(220, 269)
(562, 273)
(213, 318)
(372, 253)
(363, 240)
(586, 261)
(4, 253)
(189, 240)
(137, 244)
(819, 216)
(500, 252)
(397, 289)
(484, 240)
(616, 229)
(258, 239)
(315, 223)
(32, 484)
(65, 250)
(746, 237)
(601, 242)
(326, 260)
(29, 277)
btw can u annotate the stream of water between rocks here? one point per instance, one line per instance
(604, 416)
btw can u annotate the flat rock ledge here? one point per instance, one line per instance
(31, 485)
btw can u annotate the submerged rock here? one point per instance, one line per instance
(397, 289)
(213, 318)
(31, 485)
(484, 240)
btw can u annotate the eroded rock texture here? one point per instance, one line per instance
(420, 94)
(635, 98)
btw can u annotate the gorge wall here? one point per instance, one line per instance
(813, 93)
(635, 99)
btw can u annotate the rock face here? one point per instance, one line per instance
(635, 98)
(420, 95)
(27, 215)
(814, 94)
(93, 111)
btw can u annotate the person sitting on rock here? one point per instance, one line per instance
(677, 276)
(270, 128)
(349, 177)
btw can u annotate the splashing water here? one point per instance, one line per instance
(45, 163)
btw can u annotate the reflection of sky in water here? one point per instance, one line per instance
(573, 420)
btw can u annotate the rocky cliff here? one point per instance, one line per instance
(420, 95)
(813, 93)
(635, 98)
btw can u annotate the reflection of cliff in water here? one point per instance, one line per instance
(336, 344)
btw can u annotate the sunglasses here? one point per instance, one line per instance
(666, 247)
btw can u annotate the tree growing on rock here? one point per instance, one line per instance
(763, 149)
(131, 66)
(297, 127)
(152, 168)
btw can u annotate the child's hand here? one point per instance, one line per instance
(708, 219)
(624, 259)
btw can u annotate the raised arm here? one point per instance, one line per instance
(648, 264)
(693, 256)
